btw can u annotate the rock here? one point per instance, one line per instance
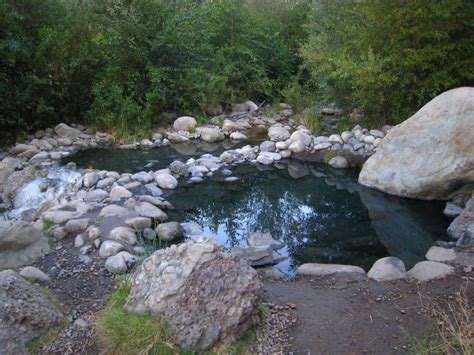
(251, 106)
(205, 296)
(451, 210)
(369, 139)
(441, 135)
(185, 123)
(64, 141)
(142, 177)
(240, 107)
(335, 139)
(322, 146)
(94, 233)
(96, 195)
(90, 179)
(257, 256)
(20, 244)
(377, 133)
(461, 224)
(146, 209)
(34, 274)
(429, 270)
(278, 134)
(267, 146)
(387, 269)
(441, 255)
(79, 241)
(149, 234)
(177, 138)
(146, 144)
(338, 162)
(214, 110)
(178, 168)
(114, 211)
(315, 269)
(211, 134)
(104, 183)
(153, 189)
(110, 248)
(63, 130)
(119, 192)
(26, 313)
(191, 228)
(123, 235)
(166, 181)
(169, 231)
(60, 217)
(301, 136)
(76, 225)
(139, 223)
(16, 181)
(297, 147)
(267, 158)
(237, 136)
(229, 126)
(120, 263)
(259, 239)
(29, 215)
(346, 135)
(80, 323)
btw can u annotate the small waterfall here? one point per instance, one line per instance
(31, 196)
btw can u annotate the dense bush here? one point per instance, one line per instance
(122, 64)
(390, 57)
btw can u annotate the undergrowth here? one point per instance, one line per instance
(454, 323)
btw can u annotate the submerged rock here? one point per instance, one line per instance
(26, 313)
(430, 155)
(206, 296)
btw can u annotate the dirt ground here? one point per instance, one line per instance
(354, 315)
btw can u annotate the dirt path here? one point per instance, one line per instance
(349, 316)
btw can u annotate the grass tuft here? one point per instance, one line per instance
(126, 333)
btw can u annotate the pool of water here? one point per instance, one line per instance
(321, 214)
(135, 160)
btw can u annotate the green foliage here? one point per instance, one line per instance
(389, 57)
(311, 119)
(126, 333)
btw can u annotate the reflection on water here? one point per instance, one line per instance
(321, 215)
(135, 160)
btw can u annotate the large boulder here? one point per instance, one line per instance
(16, 181)
(205, 296)
(185, 123)
(26, 313)
(430, 155)
(63, 130)
(20, 244)
(462, 223)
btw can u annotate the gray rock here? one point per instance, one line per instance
(441, 255)
(17, 180)
(94, 233)
(104, 183)
(114, 211)
(178, 168)
(153, 189)
(259, 239)
(278, 134)
(166, 181)
(222, 294)
(237, 136)
(90, 179)
(146, 209)
(461, 224)
(452, 210)
(267, 146)
(143, 177)
(79, 241)
(177, 138)
(315, 269)
(169, 231)
(191, 228)
(26, 313)
(110, 248)
(29, 215)
(76, 225)
(119, 192)
(63, 130)
(335, 139)
(138, 223)
(123, 235)
(60, 217)
(149, 234)
(441, 135)
(96, 195)
(339, 162)
(257, 256)
(429, 270)
(120, 263)
(34, 274)
(211, 134)
(20, 244)
(185, 123)
(267, 158)
(387, 269)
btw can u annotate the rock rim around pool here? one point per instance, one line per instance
(205, 296)
(430, 155)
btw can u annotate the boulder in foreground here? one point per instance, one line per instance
(430, 155)
(25, 314)
(206, 296)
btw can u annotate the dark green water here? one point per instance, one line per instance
(321, 214)
(135, 160)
